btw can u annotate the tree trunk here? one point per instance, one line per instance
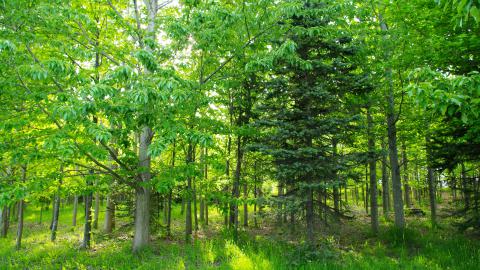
(206, 213)
(41, 214)
(236, 187)
(96, 209)
(142, 193)
(56, 208)
(431, 190)
(142, 199)
(466, 193)
(169, 213)
(227, 171)
(392, 141)
(280, 204)
(21, 204)
(255, 198)
(373, 174)
(20, 225)
(75, 209)
(202, 210)
(195, 216)
(309, 217)
(56, 211)
(142, 218)
(245, 205)
(5, 220)
(109, 215)
(431, 183)
(406, 186)
(188, 215)
(385, 184)
(87, 227)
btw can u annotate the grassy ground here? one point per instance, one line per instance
(349, 246)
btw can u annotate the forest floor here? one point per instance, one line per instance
(348, 244)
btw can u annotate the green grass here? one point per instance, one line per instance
(417, 247)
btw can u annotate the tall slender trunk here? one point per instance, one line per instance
(194, 191)
(56, 211)
(87, 228)
(206, 213)
(309, 217)
(336, 195)
(56, 208)
(109, 222)
(20, 225)
(392, 139)
(280, 204)
(406, 186)
(202, 209)
(431, 182)
(236, 186)
(96, 209)
(205, 177)
(188, 215)
(75, 209)
(373, 173)
(466, 192)
(431, 191)
(245, 205)
(227, 173)
(21, 204)
(367, 195)
(385, 184)
(255, 195)
(169, 213)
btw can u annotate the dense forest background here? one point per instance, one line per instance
(239, 134)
